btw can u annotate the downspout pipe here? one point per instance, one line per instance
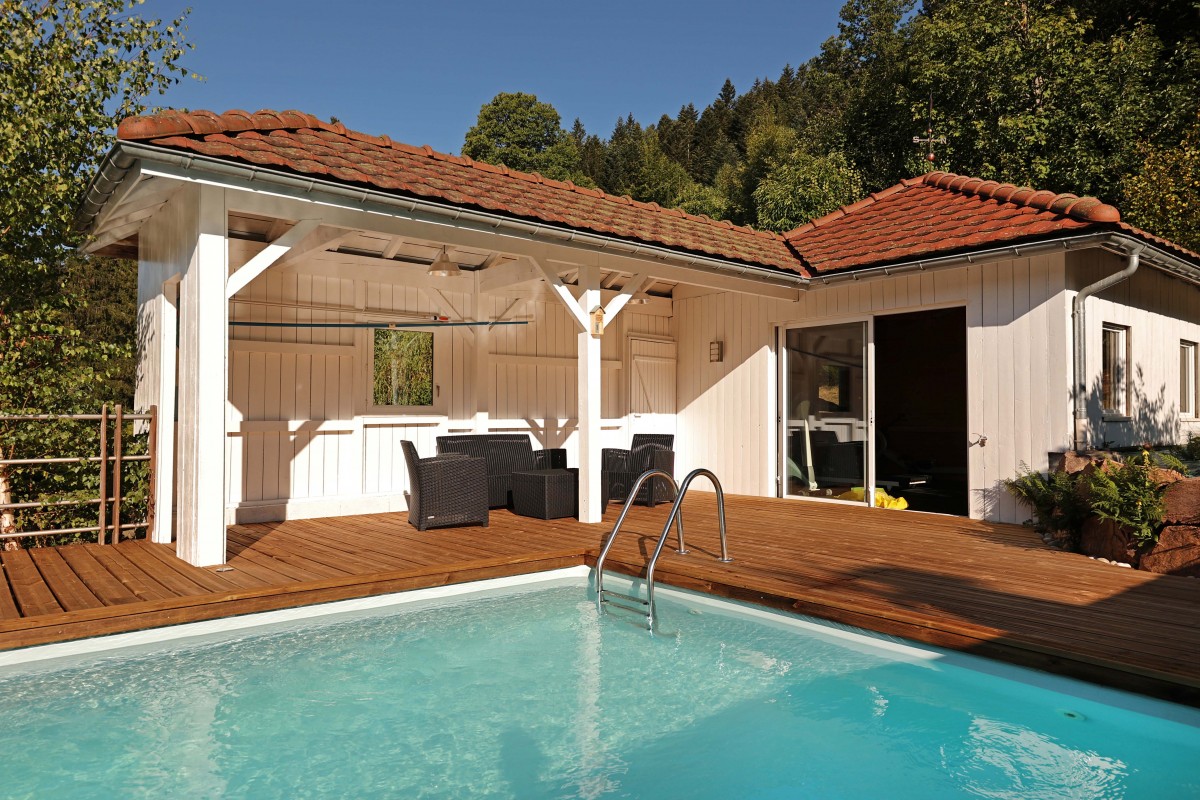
(1079, 319)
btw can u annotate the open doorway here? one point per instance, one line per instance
(921, 408)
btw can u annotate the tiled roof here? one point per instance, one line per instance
(932, 215)
(937, 214)
(300, 143)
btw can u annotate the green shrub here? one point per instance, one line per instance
(1128, 495)
(1056, 505)
(1191, 450)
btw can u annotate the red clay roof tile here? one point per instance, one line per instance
(935, 214)
(298, 142)
(938, 214)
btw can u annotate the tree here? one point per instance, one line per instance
(1164, 198)
(70, 70)
(522, 133)
(1031, 92)
(803, 187)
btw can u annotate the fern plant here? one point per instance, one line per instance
(1054, 500)
(1128, 495)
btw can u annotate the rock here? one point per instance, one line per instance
(1176, 553)
(1071, 462)
(1165, 477)
(1182, 502)
(1102, 538)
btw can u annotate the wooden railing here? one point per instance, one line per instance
(110, 460)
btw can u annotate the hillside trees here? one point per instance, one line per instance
(1088, 96)
(69, 71)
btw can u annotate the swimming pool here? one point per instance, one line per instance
(528, 693)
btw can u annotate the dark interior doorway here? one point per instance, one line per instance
(921, 408)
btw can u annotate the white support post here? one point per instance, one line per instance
(164, 480)
(589, 394)
(203, 378)
(483, 363)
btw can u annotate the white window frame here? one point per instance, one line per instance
(442, 346)
(1187, 379)
(1121, 391)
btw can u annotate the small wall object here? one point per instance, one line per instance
(597, 315)
(716, 351)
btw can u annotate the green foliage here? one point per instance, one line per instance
(69, 72)
(1128, 495)
(1089, 96)
(1054, 499)
(1191, 450)
(1164, 197)
(519, 131)
(804, 187)
(403, 368)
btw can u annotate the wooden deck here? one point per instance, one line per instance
(994, 590)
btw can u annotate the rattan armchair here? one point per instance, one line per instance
(620, 469)
(445, 490)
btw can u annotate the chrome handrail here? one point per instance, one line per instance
(676, 516)
(612, 537)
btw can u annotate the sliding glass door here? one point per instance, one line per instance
(825, 430)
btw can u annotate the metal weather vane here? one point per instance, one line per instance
(929, 139)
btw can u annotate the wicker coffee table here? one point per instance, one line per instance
(546, 493)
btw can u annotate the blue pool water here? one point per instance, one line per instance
(531, 694)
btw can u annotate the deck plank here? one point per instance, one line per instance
(32, 594)
(996, 590)
(71, 592)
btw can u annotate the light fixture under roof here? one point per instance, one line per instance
(443, 267)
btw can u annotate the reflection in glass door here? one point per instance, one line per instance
(825, 411)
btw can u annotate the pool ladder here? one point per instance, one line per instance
(645, 607)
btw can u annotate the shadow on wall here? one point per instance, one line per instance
(1153, 420)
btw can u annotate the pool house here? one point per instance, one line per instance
(310, 296)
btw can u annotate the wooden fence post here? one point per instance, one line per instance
(103, 471)
(152, 471)
(118, 434)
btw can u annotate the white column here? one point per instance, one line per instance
(164, 480)
(483, 360)
(203, 378)
(589, 395)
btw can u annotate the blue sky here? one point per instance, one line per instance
(419, 71)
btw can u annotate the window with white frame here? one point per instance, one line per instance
(1114, 370)
(1187, 379)
(402, 369)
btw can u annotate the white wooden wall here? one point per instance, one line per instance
(1160, 312)
(1018, 368)
(304, 441)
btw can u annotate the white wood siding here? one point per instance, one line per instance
(1018, 368)
(1160, 312)
(304, 441)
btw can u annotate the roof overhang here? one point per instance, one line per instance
(1116, 242)
(128, 162)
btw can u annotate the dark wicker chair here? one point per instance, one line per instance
(445, 490)
(504, 453)
(619, 469)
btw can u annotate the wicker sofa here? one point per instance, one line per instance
(445, 490)
(504, 454)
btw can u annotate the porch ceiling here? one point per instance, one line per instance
(407, 251)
